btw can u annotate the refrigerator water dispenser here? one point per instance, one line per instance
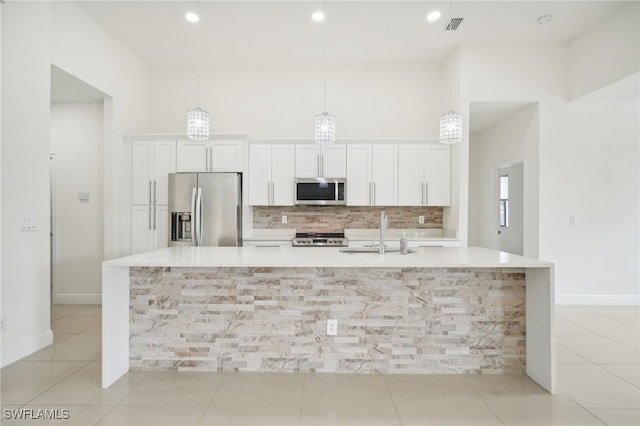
(180, 226)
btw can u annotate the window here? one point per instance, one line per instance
(504, 201)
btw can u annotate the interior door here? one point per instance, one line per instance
(510, 208)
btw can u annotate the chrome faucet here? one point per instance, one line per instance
(383, 226)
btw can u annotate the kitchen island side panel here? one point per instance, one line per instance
(390, 320)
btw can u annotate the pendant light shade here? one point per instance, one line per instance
(325, 129)
(450, 128)
(198, 125)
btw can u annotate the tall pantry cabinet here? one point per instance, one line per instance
(152, 162)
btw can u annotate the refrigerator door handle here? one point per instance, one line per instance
(194, 235)
(199, 216)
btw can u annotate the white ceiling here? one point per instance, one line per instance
(251, 32)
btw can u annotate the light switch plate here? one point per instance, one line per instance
(28, 224)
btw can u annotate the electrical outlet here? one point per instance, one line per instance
(284, 218)
(3, 323)
(332, 327)
(572, 220)
(421, 219)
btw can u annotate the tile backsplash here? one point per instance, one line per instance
(337, 218)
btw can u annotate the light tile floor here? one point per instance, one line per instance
(597, 367)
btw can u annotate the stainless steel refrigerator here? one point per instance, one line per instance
(205, 209)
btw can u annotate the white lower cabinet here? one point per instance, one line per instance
(372, 175)
(150, 228)
(267, 243)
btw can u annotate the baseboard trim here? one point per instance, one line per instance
(26, 348)
(598, 299)
(78, 299)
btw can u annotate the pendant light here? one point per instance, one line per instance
(198, 124)
(325, 124)
(198, 121)
(451, 122)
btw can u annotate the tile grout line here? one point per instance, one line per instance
(597, 334)
(395, 408)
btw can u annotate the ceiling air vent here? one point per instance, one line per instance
(453, 24)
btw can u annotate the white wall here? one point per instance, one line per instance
(369, 101)
(35, 35)
(576, 140)
(83, 49)
(606, 53)
(514, 139)
(25, 178)
(598, 180)
(77, 141)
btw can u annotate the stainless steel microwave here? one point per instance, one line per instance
(321, 191)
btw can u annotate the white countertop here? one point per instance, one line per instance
(426, 257)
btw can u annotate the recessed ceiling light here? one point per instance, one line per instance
(433, 16)
(544, 19)
(192, 17)
(318, 16)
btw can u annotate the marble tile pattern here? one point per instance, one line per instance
(337, 218)
(390, 320)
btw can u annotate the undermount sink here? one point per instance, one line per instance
(372, 250)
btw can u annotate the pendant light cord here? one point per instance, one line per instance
(324, 54)
(450, 49)
(197, 43)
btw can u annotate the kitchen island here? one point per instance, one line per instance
(453, 310)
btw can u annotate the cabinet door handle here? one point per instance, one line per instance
(268, 193)
(426, 193)
(369, 192)
(150, 219)
(155, 192)
(422, 194)
(150, 195)
(374, 193)
(155, 217)
(273, 193)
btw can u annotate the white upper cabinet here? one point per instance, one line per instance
(209, 156)
(438, 175)
(327, 161)
(384, 171)
(271, 171)
(359, 175)
(424, 175)
(152, 161)
(372, 176)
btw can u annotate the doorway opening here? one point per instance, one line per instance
(509, 202)
(77, 189)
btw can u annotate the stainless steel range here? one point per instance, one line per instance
(322, 239)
